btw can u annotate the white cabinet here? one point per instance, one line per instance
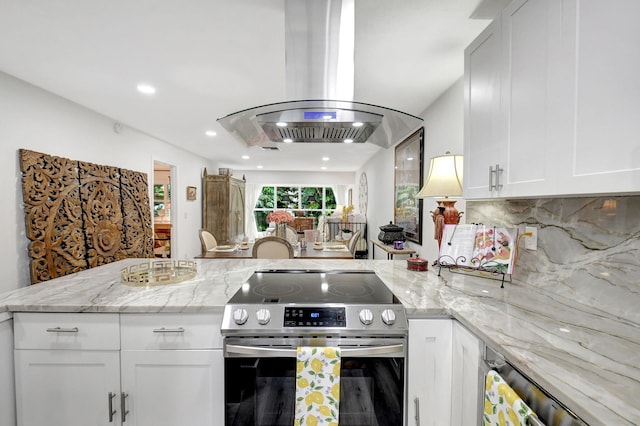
(87, 369)
(7, 401)
(466, 388)
(565, 101)
(173, 387)
(602, 88)
(172, 369)
(483, 145)
(67, 369)
(429, 372)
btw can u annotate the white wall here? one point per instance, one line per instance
(34, 119)
(444, 126)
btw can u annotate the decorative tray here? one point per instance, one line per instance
(159, 272)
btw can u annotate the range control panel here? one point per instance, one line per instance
(314, 317)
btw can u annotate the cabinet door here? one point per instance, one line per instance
(483, 141)
(467, 379)
(7, 402)
(527, 112)
(429, 372)
(173, 387)
(236, 209)
(66, 388)
(603, 151)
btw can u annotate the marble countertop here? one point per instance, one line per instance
(586, 359)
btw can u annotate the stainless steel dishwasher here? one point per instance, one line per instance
(549, 410)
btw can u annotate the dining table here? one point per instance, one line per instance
(328, 250)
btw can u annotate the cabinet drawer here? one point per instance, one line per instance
(171, 331)
(66, 331)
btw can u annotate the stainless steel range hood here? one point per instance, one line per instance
(319, 46)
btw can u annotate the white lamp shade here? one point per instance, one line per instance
(445, 177)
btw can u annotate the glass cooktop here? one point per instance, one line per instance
(314, 286)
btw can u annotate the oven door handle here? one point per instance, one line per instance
(387, 351)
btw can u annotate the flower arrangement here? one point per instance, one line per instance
(280, 216)
(345, 211)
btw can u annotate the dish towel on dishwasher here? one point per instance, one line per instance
(502, 405)
(317, 386)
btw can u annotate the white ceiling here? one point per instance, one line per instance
(209, 58)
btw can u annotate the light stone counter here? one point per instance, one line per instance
(589, 361)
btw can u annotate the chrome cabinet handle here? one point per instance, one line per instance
(416, 403)
(497, 185)
(62, 330)
(123, 406)
(112, 412)
(169, 330)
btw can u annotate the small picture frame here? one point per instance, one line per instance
(191, 193)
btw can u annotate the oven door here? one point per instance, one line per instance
(260, 383)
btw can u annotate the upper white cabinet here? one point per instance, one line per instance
(483, 143)
(565, 101)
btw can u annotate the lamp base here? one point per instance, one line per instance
(446, 214)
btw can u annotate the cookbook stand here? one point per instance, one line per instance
(481, 250)
(481, 271)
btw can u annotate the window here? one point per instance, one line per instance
(302, 201)
(161, 200)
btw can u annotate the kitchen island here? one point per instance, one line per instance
(587, 360)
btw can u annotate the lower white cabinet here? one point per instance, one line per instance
(172, 369)
(67, 369)
(429, 372)
(7, 401)
(466, 388)
(70, 388)
(110, 369)
(174, 387)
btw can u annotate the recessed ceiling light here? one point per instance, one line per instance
(323, 168)
(325, 158)
(245, 157)
(287, 140)
(210, 133)
(409, 158)
(357, 124)
(281, 124)
(146, 89)
(348, 141)
(259, 166)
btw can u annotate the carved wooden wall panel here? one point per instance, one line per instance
(53, 215)
(138, 227)
(80, 215)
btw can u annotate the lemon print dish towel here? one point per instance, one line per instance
(317, 386)
(502, 405)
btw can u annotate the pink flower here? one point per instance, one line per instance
(280, 216)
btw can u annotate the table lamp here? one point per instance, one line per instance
(444, 181)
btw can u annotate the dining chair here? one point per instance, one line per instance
(353, 241)
(292, 235)
(272, 248)
(207, 240)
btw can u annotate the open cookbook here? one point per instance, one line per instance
(489, 248)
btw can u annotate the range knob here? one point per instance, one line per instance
(366, 316)
(240, 316)
(264, 316)
(388, 317)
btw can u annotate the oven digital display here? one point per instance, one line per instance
(314, 317)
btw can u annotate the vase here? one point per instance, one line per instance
(281, 230)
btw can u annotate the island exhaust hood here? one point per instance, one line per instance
(319, 47)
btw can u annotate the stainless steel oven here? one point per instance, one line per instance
(278, 311)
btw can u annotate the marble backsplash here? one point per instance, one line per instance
(588, 249)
